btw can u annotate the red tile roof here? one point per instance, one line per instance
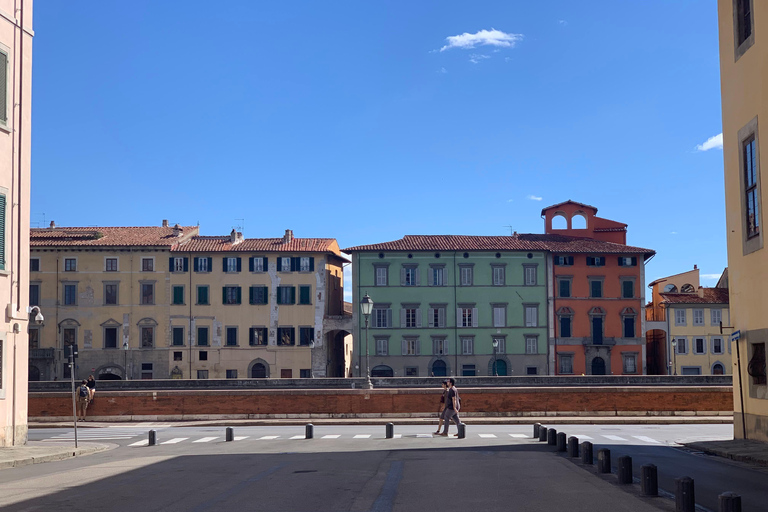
(224, 244)
(568, 202)
(711, 296)
(108, 236)
(518, 242)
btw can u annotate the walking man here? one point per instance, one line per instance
(452, 406)
(83, 395)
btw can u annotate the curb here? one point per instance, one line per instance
(60, 453)
(720, 452)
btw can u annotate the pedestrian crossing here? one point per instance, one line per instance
(99, 434)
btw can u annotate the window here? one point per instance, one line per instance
(202, 374)
(717, 346)
(630, 363)
(382, 346)
(564, 287)
(499, 275)
(439, 346)
(70, 265)
(178, 295)
(595, 261)
(750, 188)
(34, 338)
(203, 264)
(698, 317)
(411, 371)
(437, 275)
(596, 288)
(566, 363)
(284, 264)
(467, 346)
(629, 326)
(499, 316)
(286, 295)
(177, 336)
(627, 261)
(34, 294)
(258, 264)
(34, 263)
(147, 337)
(306, 336)
(286, 336)
(501, 345)
(756, 366)
(530, 275)
(202, 295)
(680, 317)
(565, 326)
(305, 373)
(258, 295)
(531, 370)
(231, 295)
(531, 316)
(467, 316)
(531, 345)
(178, 356)
(716, 316)
(231, 374)
(70, 294)
(202, 336)
(411, 316)
(409, 276)
(110, 265)
(382, 275)
(232, 265)
(466, 275)
(179, 264)
(110, 293)
(258, 336)
(681, 345)
(699, 346)
(304, 294)
(231, 336)
(564, 261)
(381, 318)
(468, 370)
(147, 264)
(110, 337)
(202, 355)
(627, 288)
(436, 315)
(304, 264)
(742, 16)
(146, 371)
(411, 347)
(147, 293)
(690, 370)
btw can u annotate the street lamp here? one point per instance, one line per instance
(495, 347)
(366, 307)
(674, 355)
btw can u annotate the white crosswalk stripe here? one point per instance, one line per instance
(205, 439)
(175, 440)
(240, 438)
(487, 436)
(646, 439)
(581, 436)
(145, 442)
(518, 435)
(94, 434)
(363, 436)
(298, 437)
(331, 436)
(424, 435)
(398, 436)
(269, 437)
(614, 438)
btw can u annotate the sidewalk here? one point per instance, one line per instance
(742, 450)
(35, 452)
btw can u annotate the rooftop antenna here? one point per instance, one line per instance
(241, 226)
(511, 230)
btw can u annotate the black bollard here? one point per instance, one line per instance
(573, 447)
(625, 469)
(729, 502)
(649, 480)
(462, 430)
(309, 431)
(551, 436)
(586, 453)
(561, 442)
(390, 430)
(230, 434)
(685, 500)
(536, 427)
(543, 433)
(152, 437)
(603, 460)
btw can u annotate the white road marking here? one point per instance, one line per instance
(145, 442)
(269, 437)
(240, 438)
(430, 436)
(149, 424)
(581, 436)
(647, 439)
(398, 436)
(614, 438)
(175, 440)
(331, 436)
(487, 436)
(517, 435)
(363, 436)
(298, 437)
(205, 439)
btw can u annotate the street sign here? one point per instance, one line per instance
(735, 335)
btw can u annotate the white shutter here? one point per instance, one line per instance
(474, 317)
(458, 317)
(441, 317)
(418, 347)
(402, 317)
(418, 317)
(389, 318)
(431, 277)
(402, 277)
(416, 277)
(404, 347)
(431, 319)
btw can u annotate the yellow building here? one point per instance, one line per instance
(743, 75)
(163, 302)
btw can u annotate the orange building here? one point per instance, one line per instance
(598, 294)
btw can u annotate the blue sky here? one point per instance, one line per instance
(367, 121)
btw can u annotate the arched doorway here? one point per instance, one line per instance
(718, 369)
(109, 376)
(34, 373)
(382, 371)
(439, 369)
(501, 367)
(598, 366)
(258, 371)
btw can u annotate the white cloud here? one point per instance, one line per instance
(562, 22)
(477, 57)
(491, 37)
(715, 142)
(442, 71)
(510, 200)
(673, 232)
(710, 276)
(534, 198)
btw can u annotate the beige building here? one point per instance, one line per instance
(163, 302)
(15, 118)
(743, 73)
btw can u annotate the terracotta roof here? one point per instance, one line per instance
(603, 230)
(518, 242)
(711, 296)
(107, 236)
(568, 202)
(224, 244)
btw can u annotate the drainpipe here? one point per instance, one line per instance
(189, 328)
(20, 153)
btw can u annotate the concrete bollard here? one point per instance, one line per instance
(649, 480)
(729, 502)
(390, 430)
(561, 443)
(309, 431)
(536, 427)
(573, 447)
(625, 469)
(586, 453)
(543, 433)
(685, 499)
(462, 430)
(152, 437)
(551, 436)
(603, 460)
(230, 434)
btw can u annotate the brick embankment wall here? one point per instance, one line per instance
(581, 401)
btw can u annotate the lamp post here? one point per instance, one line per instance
(495, 347)
(366, 307)
(674, 355)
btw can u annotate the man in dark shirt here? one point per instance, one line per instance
(451, 407)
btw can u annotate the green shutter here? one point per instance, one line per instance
(170, 264)
(239, 295)
(224, 267)
(279, 294)
(239, 264)
(265, 295)
(3, 87)
(250, 295)
(266, 264)
(312, 264)
(195, 264)
(293, 295)
(2, 212)
(279, 264)
(210, 264)
(186, 264)
(250, 264)
(224, 295)
(304, 295)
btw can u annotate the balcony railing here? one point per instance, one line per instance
(41, 353)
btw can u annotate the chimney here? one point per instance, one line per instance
(288, 237)
(695, 267)
(165, 223)
(177, 231)
(53, 225)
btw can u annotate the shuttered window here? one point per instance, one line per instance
(305, 294)
(531, 316)
(3, 88)
(258, 295)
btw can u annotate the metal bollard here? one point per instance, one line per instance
(573, 446)
(390, 430)
(625, 469)
(309, 431)
(152, 437)
(586, 453)
(551, 436)
(536, 427)
(729, 502)
(649, 480)
(603, 460)
(462, 430)
(230, 434)
(543, 433)
(561, 442)
(685, 499)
